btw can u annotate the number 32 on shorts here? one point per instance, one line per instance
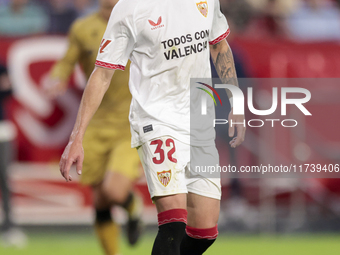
(159, 151)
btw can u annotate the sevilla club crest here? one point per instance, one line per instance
(164, 177)
(203, 8)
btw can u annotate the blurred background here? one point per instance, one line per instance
(270, 39)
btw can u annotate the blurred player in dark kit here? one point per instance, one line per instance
(11, 235)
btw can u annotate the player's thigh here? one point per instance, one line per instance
(96, 151)
(124, 160)
(169, 202)
(204, 188)
(164, 160)
(203, 211)
(199, 179)
(123, 169)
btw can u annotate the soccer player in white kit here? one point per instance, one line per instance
(168, 42)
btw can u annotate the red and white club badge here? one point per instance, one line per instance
(164, 177)
(203, 8)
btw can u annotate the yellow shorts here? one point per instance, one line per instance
(108, 150)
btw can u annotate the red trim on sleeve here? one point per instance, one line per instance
(220, 38)
(202, 233)
(108, 65)
(174, 215)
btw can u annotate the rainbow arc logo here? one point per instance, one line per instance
(209, 93)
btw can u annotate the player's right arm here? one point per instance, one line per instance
(117, 45)
(58, 81)
(93, 94)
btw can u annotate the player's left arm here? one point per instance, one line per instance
(224, 63)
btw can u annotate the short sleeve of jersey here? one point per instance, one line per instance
(220, 28)
(119, 38)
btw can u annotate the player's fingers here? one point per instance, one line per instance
(240, 136)
(236, 143)
(232, 141)
(242, 131)
(67, 167)
(62, 166)
(79, 165)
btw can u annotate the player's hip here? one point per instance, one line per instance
(170, 167)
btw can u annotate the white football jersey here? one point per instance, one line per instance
(167, 42)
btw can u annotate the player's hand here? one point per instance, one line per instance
(54, 87)
(240, 129)
(73, 153)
